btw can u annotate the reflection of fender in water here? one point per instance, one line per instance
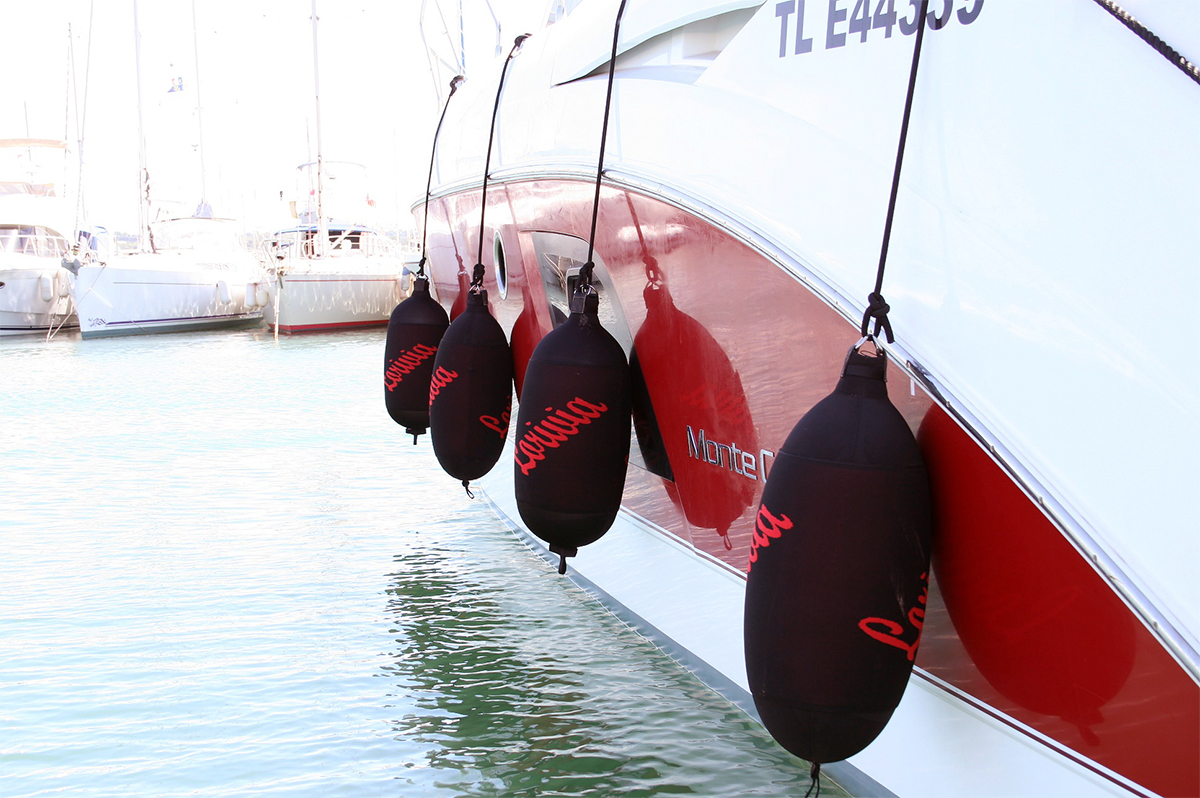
(1040, 624)
(694, 385)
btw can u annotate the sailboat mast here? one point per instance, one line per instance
(322, 225)
(67, 106)
(143, 179)
(199, 119)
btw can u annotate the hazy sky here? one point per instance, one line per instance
(378, 105)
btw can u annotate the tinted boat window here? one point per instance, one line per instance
(560, 259)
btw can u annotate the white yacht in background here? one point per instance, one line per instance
(35, 219)
(332, 270)
(194, 275)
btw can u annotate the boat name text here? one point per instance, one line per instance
(727, 455)
(860, 20)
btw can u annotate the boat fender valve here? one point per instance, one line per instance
(414, 331)
(838, 574)
(573, 431)
(470, 393)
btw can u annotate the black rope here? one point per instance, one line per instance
(815, 776)
(585, 275)
(455, 82)
(1150, 38)
(877, 308)
(477, 277)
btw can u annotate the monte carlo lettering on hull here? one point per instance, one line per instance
(728, 455)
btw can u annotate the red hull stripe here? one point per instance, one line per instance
(343, 280)
(339, 325)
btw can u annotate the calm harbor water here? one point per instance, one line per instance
(225, 571)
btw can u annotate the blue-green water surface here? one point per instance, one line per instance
(226, 571)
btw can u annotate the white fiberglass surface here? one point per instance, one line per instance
(106, 295)
(992, 755)
(1044, 246)
(1045, 256)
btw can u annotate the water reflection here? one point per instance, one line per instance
(199, 531)
(531, 689)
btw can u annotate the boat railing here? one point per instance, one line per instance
(32, 240)
(294, 245)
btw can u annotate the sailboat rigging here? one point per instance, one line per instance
(333, 269)
(188, 273)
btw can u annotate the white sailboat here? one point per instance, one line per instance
(189, 273)
(333, 270)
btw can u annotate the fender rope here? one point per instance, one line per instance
(585, 274)
(455, 82)
(477, 277)
(877, 308)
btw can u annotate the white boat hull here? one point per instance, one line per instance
(124, 299)
(35, 298)
(313, 301)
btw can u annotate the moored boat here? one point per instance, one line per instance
(1038, 273)
(35, 289)
(336, 292)
(195, 276)
(333, 270)
(187, 273)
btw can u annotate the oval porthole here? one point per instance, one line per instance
(501, 269)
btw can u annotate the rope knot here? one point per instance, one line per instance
(877, 309)
(585, 275)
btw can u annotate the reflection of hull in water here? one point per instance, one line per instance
(1058, 653)
(135, 294)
